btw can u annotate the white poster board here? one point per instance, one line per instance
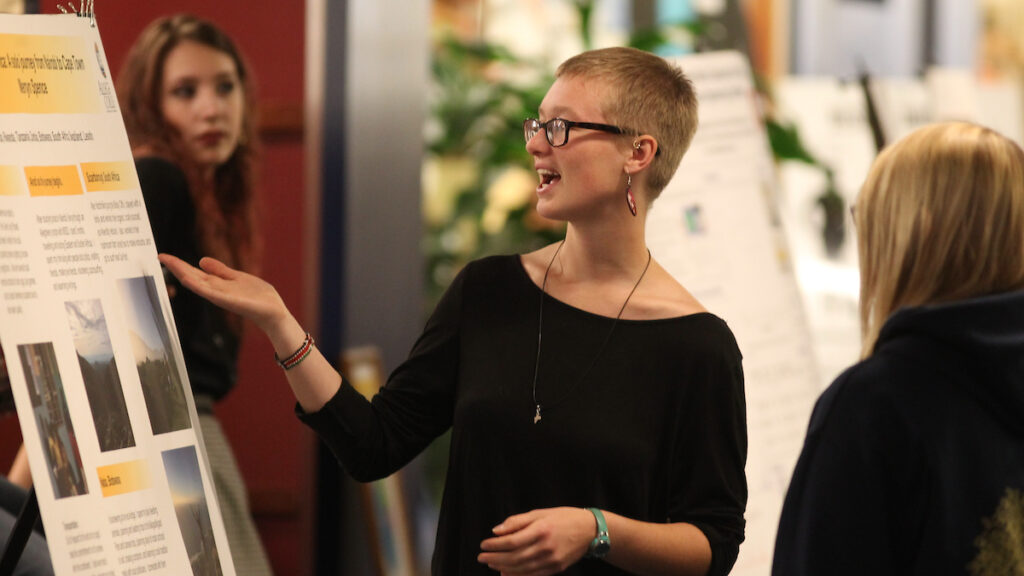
(99, 382)
(715, 230)
(831, 117)
(832, 121)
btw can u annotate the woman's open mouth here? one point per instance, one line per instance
(547, 179)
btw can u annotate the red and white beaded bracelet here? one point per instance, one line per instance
(298, 356)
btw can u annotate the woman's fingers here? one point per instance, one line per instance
(187, 274)
(544, 541)
(233, 290)
(173, 263)
(213, 266)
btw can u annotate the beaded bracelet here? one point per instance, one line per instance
(298, 356)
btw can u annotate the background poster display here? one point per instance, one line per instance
(94, 365)
(716, 230)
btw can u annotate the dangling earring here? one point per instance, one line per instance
(630, 201)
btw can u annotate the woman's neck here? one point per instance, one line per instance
(208, 174)
(607, 253)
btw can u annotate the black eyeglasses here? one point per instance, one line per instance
(556, 130)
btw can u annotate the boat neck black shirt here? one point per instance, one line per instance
(655, 430)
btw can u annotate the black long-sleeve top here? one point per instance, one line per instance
(208, 343)
(655, 431)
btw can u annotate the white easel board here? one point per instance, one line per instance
(99, 382)
(715, 230)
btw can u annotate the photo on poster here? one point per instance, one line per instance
(50, 408)
(192, 510)
(99, 373)
(162, 384)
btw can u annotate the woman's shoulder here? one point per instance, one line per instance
(157, 163)
(889, 372)
(878, 388)
(666, 297)
(491, 270)
(160, 173)
(494, 264)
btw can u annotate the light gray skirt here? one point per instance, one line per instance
(246, 547)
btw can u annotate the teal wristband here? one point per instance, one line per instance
(601, 544)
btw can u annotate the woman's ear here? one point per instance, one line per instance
(644, 148)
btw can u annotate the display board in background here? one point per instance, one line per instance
(95, 368)
(753, 252)
(714, 228)
(830, 115)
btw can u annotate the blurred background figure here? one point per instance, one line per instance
(186, 96)
(35, 557)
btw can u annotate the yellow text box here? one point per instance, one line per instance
(109, 176)
(47, 75)
(123, 478)
(53, 180)
(12, 181)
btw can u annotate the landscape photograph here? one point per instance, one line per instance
(50, 409)
(99, 373)
(162, 384)
(190, 506)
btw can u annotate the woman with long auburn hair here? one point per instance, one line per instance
(187, 99)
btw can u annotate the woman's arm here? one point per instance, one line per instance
(548, 541)
(371, 439)
(20, 473)
(649, 548)
(314, 381)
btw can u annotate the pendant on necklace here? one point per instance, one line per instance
(536, 417)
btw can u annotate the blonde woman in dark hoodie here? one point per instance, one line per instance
(914, 460)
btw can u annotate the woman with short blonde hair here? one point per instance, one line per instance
(186, 95)
(596, 408)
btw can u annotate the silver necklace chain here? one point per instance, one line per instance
(540, 327)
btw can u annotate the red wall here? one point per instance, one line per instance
(275, 452)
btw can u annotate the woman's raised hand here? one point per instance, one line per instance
(234, 290)
(315, 382)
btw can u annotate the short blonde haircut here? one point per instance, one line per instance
(940, 218)
(646, 95)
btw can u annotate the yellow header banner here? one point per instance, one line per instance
(50, 73)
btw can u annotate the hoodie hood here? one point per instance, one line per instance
(989, 331)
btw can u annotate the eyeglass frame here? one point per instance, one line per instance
(569, 125)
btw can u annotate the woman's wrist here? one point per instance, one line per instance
(601, 544)
(286, 335)
(295, 358)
